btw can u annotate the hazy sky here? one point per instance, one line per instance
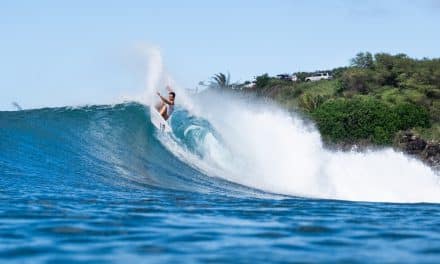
(77, 52)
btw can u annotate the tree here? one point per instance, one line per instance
(357, 80)
(220, 80)
(363, 60)
(384, 68)
(262, 80)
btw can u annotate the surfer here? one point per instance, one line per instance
(166, 107)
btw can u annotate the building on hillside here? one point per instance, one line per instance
(287, 77)
(250, 85)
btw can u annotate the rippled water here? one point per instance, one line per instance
(156, 225)
(76, 187)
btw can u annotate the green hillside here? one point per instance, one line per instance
(370, 101)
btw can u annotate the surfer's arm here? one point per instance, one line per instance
(164, 99)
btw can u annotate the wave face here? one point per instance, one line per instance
(98, 145)
(230, 150)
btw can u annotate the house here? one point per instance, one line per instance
(287, 77)
(250, 85)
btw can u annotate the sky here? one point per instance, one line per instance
(55, 53)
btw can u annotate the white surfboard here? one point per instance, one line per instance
(158, 121)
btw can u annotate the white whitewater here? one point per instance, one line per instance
(266, 148)
(269, 149)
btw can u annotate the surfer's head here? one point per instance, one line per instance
(172, 95)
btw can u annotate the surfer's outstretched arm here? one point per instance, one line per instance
(164, 99)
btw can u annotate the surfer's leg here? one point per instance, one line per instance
(163, 112)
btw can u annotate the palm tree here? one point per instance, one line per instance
(221, 80)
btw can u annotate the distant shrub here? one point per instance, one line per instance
(339, 87)
(357, 80)
(365, 118)
(432, 92)
(309, 102)
(262, 80)
(434, 111)
(411, 115)
(297, 90)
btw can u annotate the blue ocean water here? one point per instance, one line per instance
(95, 184)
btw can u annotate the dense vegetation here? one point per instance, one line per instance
(369, 101)
(366, 118)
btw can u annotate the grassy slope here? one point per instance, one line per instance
(306, 97)
(410, 87)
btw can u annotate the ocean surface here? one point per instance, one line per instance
(99, 184)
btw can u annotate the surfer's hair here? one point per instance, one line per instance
(173, 94)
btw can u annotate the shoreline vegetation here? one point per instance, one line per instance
(378, 100)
